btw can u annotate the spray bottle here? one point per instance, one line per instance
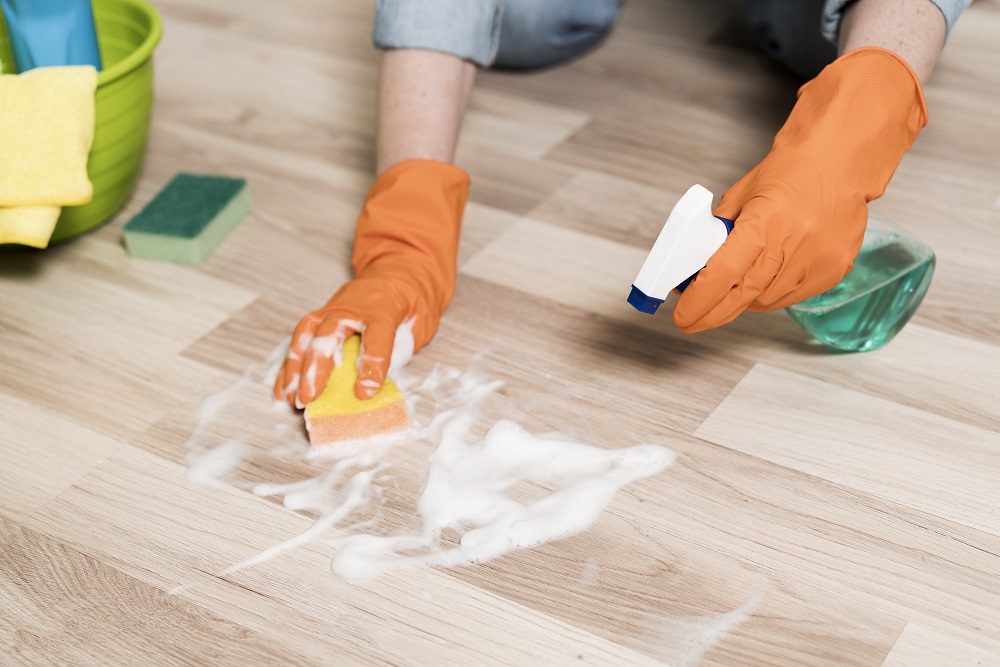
(862, 312)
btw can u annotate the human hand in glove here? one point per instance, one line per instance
(404, 261)
(800, 214)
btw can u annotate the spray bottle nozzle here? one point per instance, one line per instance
(689, 237)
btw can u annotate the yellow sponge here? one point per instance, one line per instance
(337, 414)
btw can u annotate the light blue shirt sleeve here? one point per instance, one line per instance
(834, 9)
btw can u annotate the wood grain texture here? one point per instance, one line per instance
(106, 617)
(901, 454)
(178, 528)
(825, 509)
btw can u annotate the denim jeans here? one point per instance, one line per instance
(526, 34)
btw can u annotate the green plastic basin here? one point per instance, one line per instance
(127, 33)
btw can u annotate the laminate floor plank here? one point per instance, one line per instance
(43, 455)
(62, 607)
(904, 455)
(920, 646)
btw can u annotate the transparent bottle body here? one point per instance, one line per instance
(877, 298)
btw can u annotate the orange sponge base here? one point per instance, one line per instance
(337, 415)
(387, 419)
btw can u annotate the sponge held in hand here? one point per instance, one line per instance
(337, 415)
(188, 218)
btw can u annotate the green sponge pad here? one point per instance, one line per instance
(188, 218)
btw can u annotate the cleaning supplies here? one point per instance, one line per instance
(337, 414)
(51, 33)
(188, 218)
(864, 311)
(46, 129)
(689, 237)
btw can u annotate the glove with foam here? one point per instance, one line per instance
(405, 260)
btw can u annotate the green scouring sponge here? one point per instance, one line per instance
(188, 218)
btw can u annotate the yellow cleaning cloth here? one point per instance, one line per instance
(28, 225)
(46, 129)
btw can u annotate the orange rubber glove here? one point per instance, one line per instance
(801, 213)
(404, 261)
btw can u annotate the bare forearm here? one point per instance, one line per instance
(422, 99)
(914, 29)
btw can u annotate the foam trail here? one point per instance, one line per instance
(212, 463)
(207, 463)
(358, 492)
(467, 489)
(589, 576)
(469, 483)
(682, 641)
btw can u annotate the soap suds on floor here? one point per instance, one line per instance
(682, 641)
(467, 491)
(207, 463)
(474, 488)
(211, 463)
(591, 572)
(469, 482)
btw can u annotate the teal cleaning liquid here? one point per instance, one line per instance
(877, 298)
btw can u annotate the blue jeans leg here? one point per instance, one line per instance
(542, 33)
(511, 34)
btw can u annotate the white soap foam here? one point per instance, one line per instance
(402, 346)
(206, 462)
(214, 462)
(682, 641)
(333, 344)
(509, 490)
(468, 490)
(358, 493)
(590, 574)
(311, 378)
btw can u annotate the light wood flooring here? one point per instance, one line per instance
(849, 503)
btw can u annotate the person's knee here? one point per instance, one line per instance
(467, 29)
(537, 33)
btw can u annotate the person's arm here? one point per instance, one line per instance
(406, 244)
(914, 29)
(801, 212)
(422, 99)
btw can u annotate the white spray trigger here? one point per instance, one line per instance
(689, 237)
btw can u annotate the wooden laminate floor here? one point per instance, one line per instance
(825, 509)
